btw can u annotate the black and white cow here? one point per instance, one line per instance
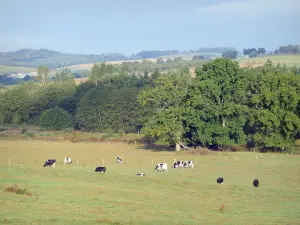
(119, 160)
(220, 180)
(50, 162)
(68, 161)
(161, 167)
(100, 169)
(188, 164)
(178, 164)
(255, 182)
(141, 174)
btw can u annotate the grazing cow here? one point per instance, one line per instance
(177, 164)
(68, 161)
(255, 182)
(100, 169)
(220, 180)
(161, 167)
(141, 174)
(50, 162)
(188, 164)
(119, 160)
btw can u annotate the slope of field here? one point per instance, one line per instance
(75, 194)
(7, 69)
(289, 60)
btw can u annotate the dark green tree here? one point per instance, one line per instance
(56, 119)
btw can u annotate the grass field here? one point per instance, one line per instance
(289, 60)
(75, 194)
(7, 69)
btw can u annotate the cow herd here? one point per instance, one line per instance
(158, 167)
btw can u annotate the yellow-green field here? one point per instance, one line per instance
(75, 194)
(289, 60)
(15, 69)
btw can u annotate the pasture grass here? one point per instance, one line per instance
(75, 194)
(16, 69)
(289, 60)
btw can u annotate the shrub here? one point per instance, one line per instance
(56, 119)
(2, 129)
(23, 130)
(28, 134)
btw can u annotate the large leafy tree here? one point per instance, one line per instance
(167, 98)
(217, 100)
(274, 121)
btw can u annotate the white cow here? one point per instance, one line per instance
(161, 167)
(119, 160)
(68, 161)
(188, 164)
(141, 174)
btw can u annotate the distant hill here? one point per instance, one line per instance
(53, 59)
(32, 58)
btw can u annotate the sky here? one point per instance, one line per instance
(131, 26)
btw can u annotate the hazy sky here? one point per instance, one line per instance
(129, 26)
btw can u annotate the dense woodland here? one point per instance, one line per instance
(222, 106)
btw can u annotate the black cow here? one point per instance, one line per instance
(220, 180)
(100, 169)
(50, 162)
(255, 182)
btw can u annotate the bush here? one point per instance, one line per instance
(23, 130)
(2, 129)
(56, 119)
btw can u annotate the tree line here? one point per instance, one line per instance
(222, 106)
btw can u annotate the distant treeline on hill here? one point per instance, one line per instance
(222, 106)
(53, 59)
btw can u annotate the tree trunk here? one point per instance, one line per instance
(177, 147)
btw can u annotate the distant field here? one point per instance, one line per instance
(7, 69)
(75, 194)
(289, 60)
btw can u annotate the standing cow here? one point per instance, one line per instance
(50, 162)
(100, 169)
(188, 164)
(161, 167)
(68, 161)
(119, 160)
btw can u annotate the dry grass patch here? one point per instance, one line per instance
(17, 190)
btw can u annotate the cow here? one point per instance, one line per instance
(119, 160)
(188, 164)
(68, 161)
(177, 164)
(255, 182)
(50, 162)
(161, 167)
(141, 174)
(220, 180)
(100, 169)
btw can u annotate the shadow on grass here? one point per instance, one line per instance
(154, 148)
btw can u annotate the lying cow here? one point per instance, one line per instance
(68, 161)
(161, 167)
(100, 169)
(141, 174)
(119, 160)
(188, 164)
(177, 164)
(50, 162)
